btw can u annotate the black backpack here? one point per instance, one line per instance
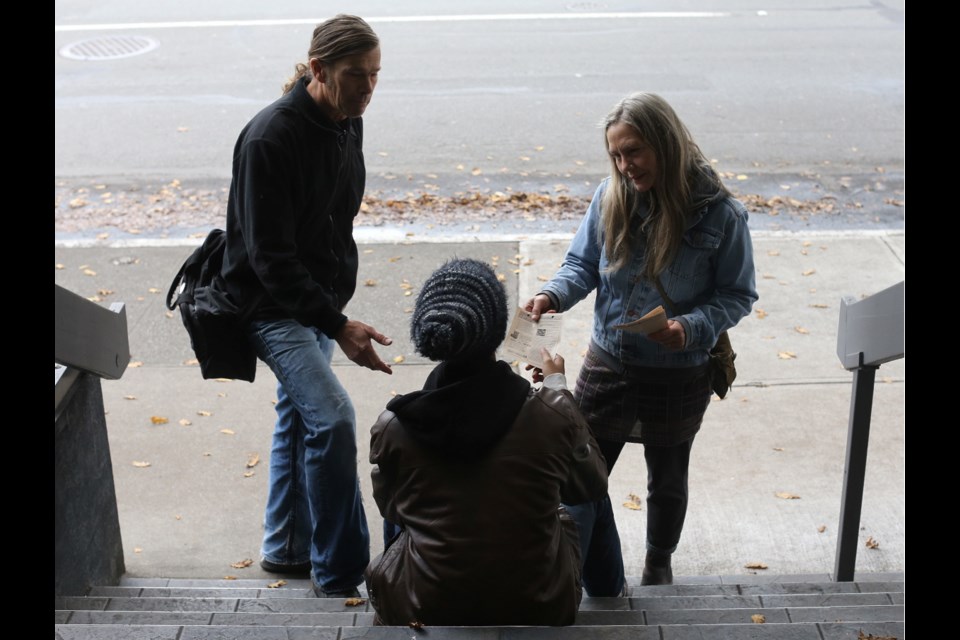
(213, 322)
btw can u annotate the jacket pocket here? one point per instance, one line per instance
(695, 264)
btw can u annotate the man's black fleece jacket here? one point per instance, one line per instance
(298, 181)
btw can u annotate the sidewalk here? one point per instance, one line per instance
(197, 507)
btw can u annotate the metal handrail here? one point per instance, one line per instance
(870, 333)
(87, 338)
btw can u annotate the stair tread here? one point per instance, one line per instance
(795, 631)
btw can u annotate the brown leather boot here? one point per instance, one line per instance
(656, 569)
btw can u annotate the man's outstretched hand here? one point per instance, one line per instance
(356, 340)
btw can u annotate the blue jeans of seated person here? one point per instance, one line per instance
(667, 491)
(314, 510)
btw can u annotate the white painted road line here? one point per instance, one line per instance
(493, 17)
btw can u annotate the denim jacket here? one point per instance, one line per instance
(711, 282)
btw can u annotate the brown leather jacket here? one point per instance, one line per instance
(484, 541)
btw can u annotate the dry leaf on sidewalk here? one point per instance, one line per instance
(758, 618)
(633, 502)
(277, 584)
(158, 420)
(243, 564)
(871, 543)
(787, 496)
(354, 602)
(755, 565)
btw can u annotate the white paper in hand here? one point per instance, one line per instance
(525, 337)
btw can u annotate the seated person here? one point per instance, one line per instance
(473, 468)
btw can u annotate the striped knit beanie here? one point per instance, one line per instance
(461, 312)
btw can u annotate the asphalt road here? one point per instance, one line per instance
(497, 97)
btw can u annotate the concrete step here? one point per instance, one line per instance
(725, 608)
(798, 631)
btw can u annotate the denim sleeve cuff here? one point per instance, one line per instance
(554, 301)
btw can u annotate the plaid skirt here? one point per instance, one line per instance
(657, 406)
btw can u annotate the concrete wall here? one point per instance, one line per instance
(87, 530)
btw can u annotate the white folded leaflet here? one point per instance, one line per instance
(525, 337)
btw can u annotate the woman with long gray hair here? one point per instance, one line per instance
(662, 230)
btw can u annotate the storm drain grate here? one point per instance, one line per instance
(109, 48)
(586, 6)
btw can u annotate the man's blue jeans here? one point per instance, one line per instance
(314, 507)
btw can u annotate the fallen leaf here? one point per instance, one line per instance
(204, 413)
(243, 564)
(819, 305)
(787, 496)
(192, 361)
(277, 584)
(801, 330)
(137, 549)
(809, 272)
(76, 203)
(821, 528)
(501, 277)
(129, 397)
(158, 420)
(89, 272)
(761, 313)
(104, 292)
(178, 517)
(778, 448)
(398, 359)
(229, 577)
(742, 176)
(182, 129)
(758, 618)
(249, 474)
(543, 278)
(869, 636)
(354, 602)
(787, 355)
(253, 460)
(633, 502)
(871, 543)
(416, 625)
(476, 171)
(59, 266)
(183, 422)
(755, 565)
(370, 282)
(134, 364)
(153, 290)
(141, 464)
(773, 252)
(229, 432)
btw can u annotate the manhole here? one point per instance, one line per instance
(586, 6)
(109, 48)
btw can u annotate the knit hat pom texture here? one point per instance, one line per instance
(461, 312)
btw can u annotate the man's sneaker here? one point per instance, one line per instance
(352, 592)
(300, 569)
